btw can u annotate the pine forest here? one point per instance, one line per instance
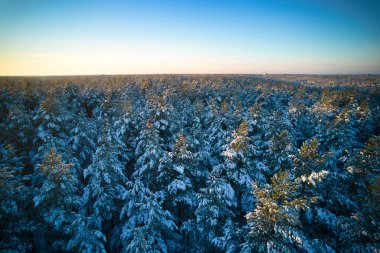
(190, 163)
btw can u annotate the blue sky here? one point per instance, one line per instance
(60, 37)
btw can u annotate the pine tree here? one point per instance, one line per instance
(147, 226)
(53, 123)
(363, 180)
(219, 130)
(281, 149)
(179, 172)
(105, 185)
(274, 224)
(125, 131)
(339, 138)
(216, 205)
(14, 198)
(239, 168)
(149, 151)
(56, 197)
(82, 140)
(86, 238)
(159, 111)
(309, 159)
(315, 183)
(19, 128)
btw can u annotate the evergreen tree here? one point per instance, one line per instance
(105, 185)
(19, 128)
(361, 232)
(14, 198)
(215, 212)
(274, 224)
(149, 151)
(53, 124)
(179, 172)
(56, 198)
(219, 130)
(281, 148)
(147, 226)
(240, 169)
(125, 131)
(82, 140)
(309, 159)
(86, 238)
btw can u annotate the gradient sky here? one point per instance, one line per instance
(64, 37)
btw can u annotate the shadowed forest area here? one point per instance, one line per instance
(190, 163)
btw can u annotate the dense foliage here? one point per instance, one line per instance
(188, 164)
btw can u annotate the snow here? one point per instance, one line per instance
(179, 168)
(176, 185)
(315, 177)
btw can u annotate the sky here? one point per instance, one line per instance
(74, 37)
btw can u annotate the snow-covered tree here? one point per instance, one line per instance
(86, 238)
(53, 123)
(19, 127)
(56, 197)
(147, 227)
(360, 230)
(149, 151)
(220, 129)
(274, 225)
(281, 148)
(240, 169)
(179, 173)
(125, 131)
(14, 198)
(82, 140)
(215, 213)
(308, 159)
(105, 184)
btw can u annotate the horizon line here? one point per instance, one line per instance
(200, 74)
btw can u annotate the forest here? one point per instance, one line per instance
(189, 163)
